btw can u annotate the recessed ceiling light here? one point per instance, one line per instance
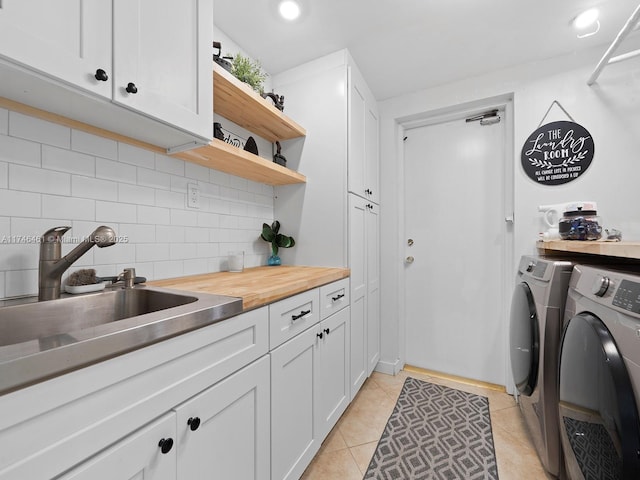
(289, 9)
(586, 18)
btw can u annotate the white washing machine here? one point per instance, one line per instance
(599, 375)
(535, 329)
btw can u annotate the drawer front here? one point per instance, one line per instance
(334, 297)
(289, 317)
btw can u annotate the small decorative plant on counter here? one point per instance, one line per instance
(270, 234)
(249, 72)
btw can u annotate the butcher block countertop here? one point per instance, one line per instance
(257, 286)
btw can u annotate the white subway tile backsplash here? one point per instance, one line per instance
(152, 252)
(154, 215)
(136, 156)
(93, 145)
(41, 131)
(32, 179)
(115, 212)
(197, 172)
(166, 164)
(53, 176)
(112, 170)
(23, 204)
(136, 194)
(87, 187)
(54, 158)
(17, 150)
(153, 178)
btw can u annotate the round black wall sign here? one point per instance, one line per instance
(557, 153)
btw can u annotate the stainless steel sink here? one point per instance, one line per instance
(39, 340)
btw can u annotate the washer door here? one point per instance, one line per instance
(524, 339)
(599, 422)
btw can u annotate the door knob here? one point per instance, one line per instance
(101, 75)
(410, 242)
(409, 259)
(131, 88)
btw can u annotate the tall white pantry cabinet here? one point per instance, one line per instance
(334, 216)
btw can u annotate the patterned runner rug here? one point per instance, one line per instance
(435, 432)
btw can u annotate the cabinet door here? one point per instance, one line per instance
(294, 436)
(333, 390)
(372, 157)
(372, 221)
(224, 431)
(163, 48)
(68, 40)
(358, 264)
(357, 125)
(140, 455)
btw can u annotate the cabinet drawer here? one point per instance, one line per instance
(293, 315)
(334, 297)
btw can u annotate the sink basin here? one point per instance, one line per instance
(41, 320)
(40, 340)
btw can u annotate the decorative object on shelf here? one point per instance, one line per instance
(557, 152)
(613, 235)
(222, 61)
(270, 234)
(251, 146)
(249, 72)
(217, 131)
(278, 157)
(580, 221)
(278, 100)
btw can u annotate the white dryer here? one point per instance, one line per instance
(599, 375)
(535, 329)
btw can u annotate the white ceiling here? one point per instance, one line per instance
(403, 46)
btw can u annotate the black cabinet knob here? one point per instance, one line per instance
(327, 331)
(194, 423)
(101, 75)
(166, 444)
(319, 335)
(131, 88)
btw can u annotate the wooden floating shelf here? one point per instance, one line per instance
(238, 102)
(227, 158)
(612, 249)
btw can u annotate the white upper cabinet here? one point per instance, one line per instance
(69, 40)
(158, 54)
(86, 59)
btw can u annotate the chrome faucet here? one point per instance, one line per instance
(52, 265)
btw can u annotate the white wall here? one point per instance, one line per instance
(51, 175)
(610, 110)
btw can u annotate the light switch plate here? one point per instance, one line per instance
(193, 196)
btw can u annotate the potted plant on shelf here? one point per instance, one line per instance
(248, 71)
(270, 234)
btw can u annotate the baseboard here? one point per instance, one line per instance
(455, 378)
(390, 368)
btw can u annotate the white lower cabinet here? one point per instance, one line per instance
(309, 391)
(224, 431)
(148, 453)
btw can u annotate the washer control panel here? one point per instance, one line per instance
(628, 296)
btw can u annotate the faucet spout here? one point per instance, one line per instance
(53, 265)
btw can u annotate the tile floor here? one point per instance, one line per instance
(346, 452)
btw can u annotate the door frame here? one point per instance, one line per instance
(461, 111)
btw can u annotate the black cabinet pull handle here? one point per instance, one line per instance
(302, 314)
(101, 75)
(194, 423)
(327, 331)
(131, 88)
(166, 444)
(319, 335)
(337, 297)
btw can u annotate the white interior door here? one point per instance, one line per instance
(454, 177)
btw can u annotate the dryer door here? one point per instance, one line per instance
(524, 339)
(599, 422)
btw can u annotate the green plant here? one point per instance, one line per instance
(270, 234)
(248, 71)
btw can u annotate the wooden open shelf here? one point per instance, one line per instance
(238, 102)
(612, 249)
(226, 158)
